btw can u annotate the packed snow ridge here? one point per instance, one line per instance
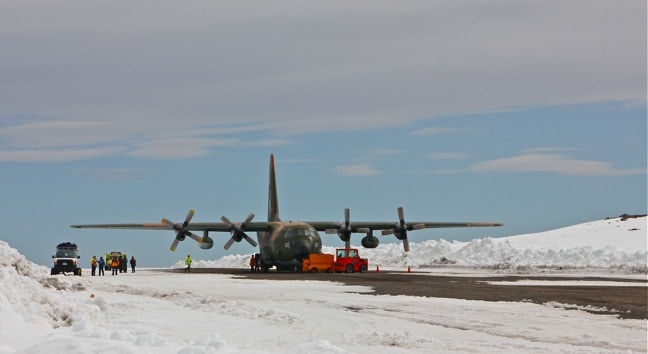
(618, 244)
(22, 285)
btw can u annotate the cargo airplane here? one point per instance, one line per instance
(284, 244)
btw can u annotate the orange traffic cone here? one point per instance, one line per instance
(409, 270)
(377, 269)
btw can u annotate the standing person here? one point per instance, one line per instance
(133, 263)
(114, 265)
(123, 262)
(102, 265)
(188, 263)
(252, 264)
(93, 264)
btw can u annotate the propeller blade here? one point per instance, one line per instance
(406, 244)
(168, 223)
(247, 221)
(418, 227)
(229, 244)
(190, 215)
(174, 244)
(249, 240)
(226, 221)
(346, 217)
(194, 237)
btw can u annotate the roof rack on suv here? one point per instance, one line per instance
(69, 246)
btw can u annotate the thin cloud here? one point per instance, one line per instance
(376, 154)
(429, 131)
(63, 133)
(112, 174)
(268, 143)
(547, 149)
(356, 170)
(552, 163)
(448, 155)
(178, 147)
(61, 155)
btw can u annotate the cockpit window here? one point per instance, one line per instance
(301, 232)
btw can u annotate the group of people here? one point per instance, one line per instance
(117, 264)
(255, 259)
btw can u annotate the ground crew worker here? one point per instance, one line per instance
(188, 263)
(123, 264)
(114, 265)
(252, 264)
(93, 264)
(102, 265)
(133, 263)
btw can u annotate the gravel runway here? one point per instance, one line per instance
(630, 302)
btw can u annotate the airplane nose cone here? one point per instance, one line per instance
(301, 249)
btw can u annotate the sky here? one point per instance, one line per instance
(151, 311)
(531, 114)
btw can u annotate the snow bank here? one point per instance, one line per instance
(27, 290)
(615, 244)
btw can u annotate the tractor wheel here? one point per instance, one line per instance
(313, 270)
(363, 268)
(349, 268)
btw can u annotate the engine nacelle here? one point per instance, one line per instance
(370, 242)
(206, 243)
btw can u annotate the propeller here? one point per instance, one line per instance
(238, 231)
(344, 230)
(400, 229)
(182, 230)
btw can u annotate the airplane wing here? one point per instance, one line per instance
(398, 229)
(381, 225)
(194, 226)
(183, 230)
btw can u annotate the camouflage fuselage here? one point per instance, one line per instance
(288, 243)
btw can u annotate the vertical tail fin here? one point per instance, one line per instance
(273, 204)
